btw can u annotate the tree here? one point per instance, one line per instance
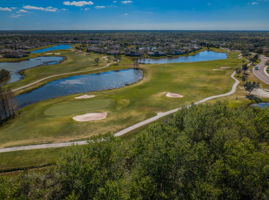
(4, 75)
(250, 86)
(7, 105)
(96, 60)
(238, 71)
(202, 152)
(244, 68)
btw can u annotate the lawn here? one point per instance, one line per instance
(51, 121)
(30, 159)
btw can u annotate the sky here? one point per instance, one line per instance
(134, 15)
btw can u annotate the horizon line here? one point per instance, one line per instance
(3, 30)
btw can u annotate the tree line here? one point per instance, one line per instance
(7, 105)
(204, 152)
(4, 76)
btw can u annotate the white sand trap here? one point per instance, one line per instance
(85, 97)
(48, 53)
(90, 117)
(225, 67)
(216, 69)
(261, 93)
(173, 95)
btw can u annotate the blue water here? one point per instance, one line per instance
(53, 48)
(80, 84)
(15, 67)
(201, 56)
(261, 105)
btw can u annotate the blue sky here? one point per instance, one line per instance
(134, 14)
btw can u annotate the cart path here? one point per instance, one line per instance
(126, 130)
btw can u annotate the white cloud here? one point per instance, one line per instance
(47, 9)
(16, 16)
(77, 3)
(22, 11)
(254, 3)
(5, 9)
(100, 7)
(115, 1)
(126, 2)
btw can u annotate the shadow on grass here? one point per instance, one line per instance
(254, 98)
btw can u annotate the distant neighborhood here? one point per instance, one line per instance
(135, 44)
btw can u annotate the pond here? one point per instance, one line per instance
(15, 67)
(81, 84)
(53, 48)
(201, 56)
(261, 105)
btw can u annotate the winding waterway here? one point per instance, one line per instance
(80, 84)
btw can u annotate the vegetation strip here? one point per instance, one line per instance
(124, 131)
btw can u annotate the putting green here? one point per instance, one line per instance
(78, 107)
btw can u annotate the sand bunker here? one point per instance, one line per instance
(90, 117)
(261, 93)
(85, 97)
(221, 68)
(173, 95)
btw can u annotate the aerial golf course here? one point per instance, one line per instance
(51, 121)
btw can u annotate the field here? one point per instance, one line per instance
(51, 121)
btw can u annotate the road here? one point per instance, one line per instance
(57, 75)
(124, 131)
(261, 74)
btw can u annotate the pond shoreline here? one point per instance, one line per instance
(78, 84)
(21, 71)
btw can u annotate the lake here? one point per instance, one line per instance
(201, 56)
(15, 67)
(53, 48)
(261, 105)
(81, 84)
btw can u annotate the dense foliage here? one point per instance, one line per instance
(204, 152)
(4, 75)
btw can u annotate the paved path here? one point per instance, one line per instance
(124, 131)
(57, 75)
(261, 74)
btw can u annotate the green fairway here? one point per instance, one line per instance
(51, 121)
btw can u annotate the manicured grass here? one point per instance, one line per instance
(28, 159)
(77, 107)
(49, 121)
